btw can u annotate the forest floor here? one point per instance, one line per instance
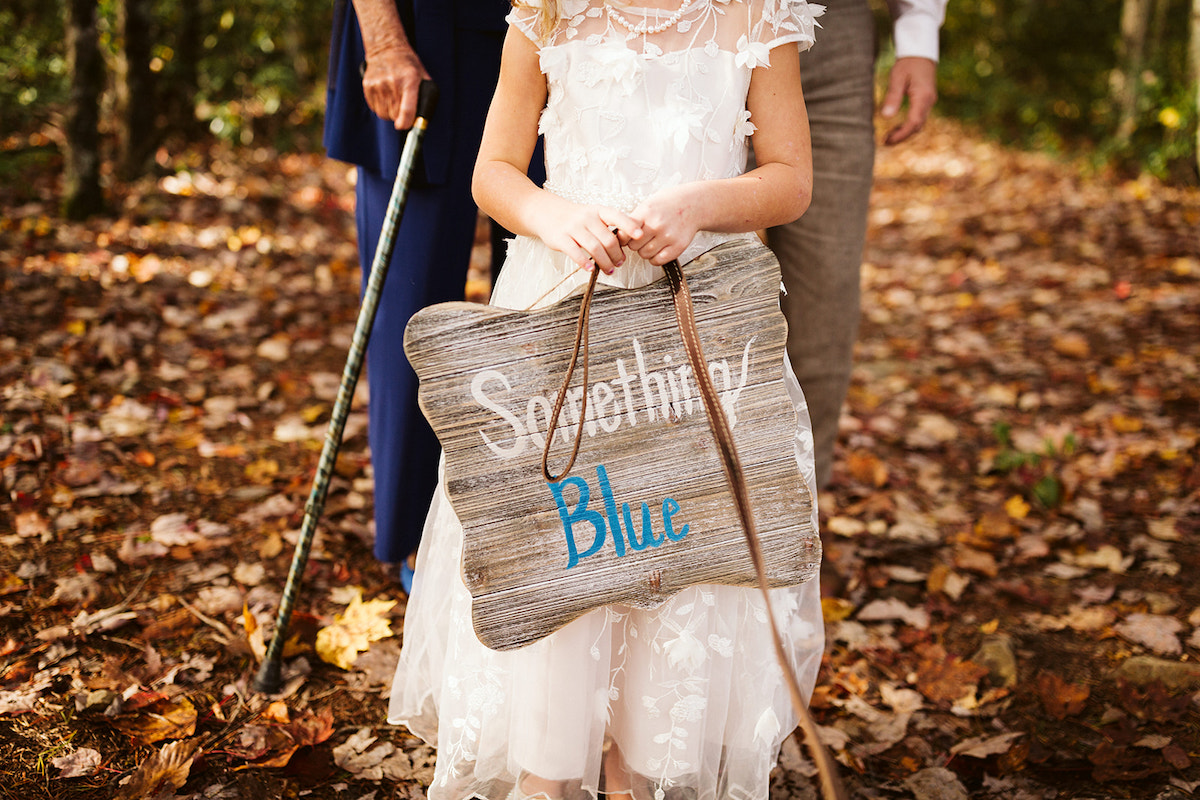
(1011, 534)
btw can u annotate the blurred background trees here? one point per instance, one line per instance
(97, 87)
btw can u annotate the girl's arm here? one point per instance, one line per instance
(777, 191)
(505, 193)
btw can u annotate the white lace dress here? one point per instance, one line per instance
(690, 692)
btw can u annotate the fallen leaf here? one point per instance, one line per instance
(936, 783)
(1157, 632)
(1105, 557)
(1059, 698)
(254, 635)
(835, 609)
(169, 765)
(892, 608)
(984, 746)
(168, 718)
(353, 631)
(947, 679)
(845, 526)
(77, 764)
(375, 763)
(1016, 507)
(1072, 345)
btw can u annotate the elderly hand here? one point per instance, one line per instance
(390, 83)
(393, 71)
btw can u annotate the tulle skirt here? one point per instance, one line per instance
(690, 693)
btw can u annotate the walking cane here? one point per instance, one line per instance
(268, 680)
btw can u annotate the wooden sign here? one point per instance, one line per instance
(645, 511)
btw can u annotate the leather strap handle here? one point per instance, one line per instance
(685, 317)
(831, 786)
(581, 337)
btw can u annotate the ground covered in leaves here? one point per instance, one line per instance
(1011, 537)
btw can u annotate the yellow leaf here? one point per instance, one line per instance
(336, 646)
(353, 631)
(313, 413)
(1124, 424)
(1016, 507)
(990, 626)
(277, 712)
(835, 609)
(263, 470)
(77, 327)
(254, 634)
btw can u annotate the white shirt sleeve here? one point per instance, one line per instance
(915, 26)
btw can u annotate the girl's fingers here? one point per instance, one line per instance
(627, 227)
(649, 249)
(598, 248)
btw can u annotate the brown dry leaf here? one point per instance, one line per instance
(972, 560)
(1059, 698)
(382, 761)
(997, 524)
(984, 746)
(312, 728)
(894, 609)
(78, 763)
(1158, 632)
(945, 679)
(867, 468)
(170, 765)
(31, 524)
(273, 744)
(1072, 345)
(168, 718)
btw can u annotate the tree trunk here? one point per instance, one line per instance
(82, 195)
(1194, 67)
(1135, 22)
(1158, 28)
(185, 83)
(135, 89)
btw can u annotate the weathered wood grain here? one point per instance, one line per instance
(488, 381)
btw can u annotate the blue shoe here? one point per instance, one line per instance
(406, 577)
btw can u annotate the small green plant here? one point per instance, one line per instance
(1037, 472)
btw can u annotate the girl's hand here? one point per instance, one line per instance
(589, 235)
(669, 222)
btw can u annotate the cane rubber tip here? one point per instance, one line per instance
(427, 97)
(269, 678)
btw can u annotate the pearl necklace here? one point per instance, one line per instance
(643, 27)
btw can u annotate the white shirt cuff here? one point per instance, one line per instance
(916, 34)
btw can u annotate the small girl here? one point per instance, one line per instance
(647, 113)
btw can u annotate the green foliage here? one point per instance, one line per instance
(1041, 74)
(1036, 472)
(1033, 73)
(259, 66)
(239, 69)
(33, 66)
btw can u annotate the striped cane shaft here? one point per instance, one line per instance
(268, 679)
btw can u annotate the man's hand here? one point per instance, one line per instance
(915, 79)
